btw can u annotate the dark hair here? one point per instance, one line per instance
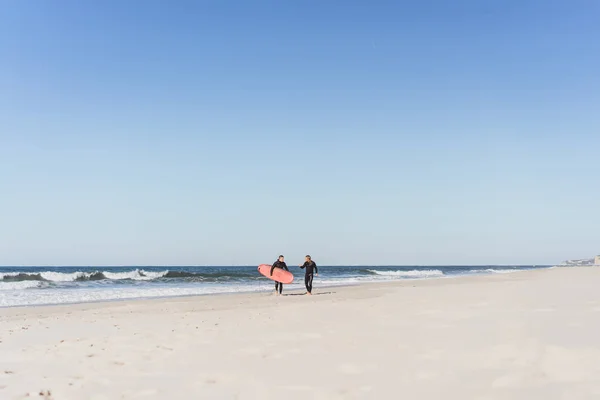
(280, 256)
(307, 256)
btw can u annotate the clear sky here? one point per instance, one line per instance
(373, 132)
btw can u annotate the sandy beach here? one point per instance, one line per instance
(524, 335)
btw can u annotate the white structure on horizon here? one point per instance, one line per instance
(597, 260)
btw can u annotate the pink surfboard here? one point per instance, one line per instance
(279, 275)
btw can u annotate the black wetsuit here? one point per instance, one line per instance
(311, 269)
(282, 265)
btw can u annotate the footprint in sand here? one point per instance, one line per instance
(46, 394)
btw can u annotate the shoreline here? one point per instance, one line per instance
(294, 291)
(291, 292)
(168, 286)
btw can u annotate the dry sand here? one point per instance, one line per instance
(526, 335)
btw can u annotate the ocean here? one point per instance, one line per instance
(22, 286)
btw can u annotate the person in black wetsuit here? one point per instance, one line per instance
(279, 264)
(311, 269)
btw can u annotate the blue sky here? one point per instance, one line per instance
(220, 132)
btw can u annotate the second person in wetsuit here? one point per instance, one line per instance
(279, 264)
(311, 268)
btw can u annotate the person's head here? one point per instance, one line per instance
(308, 258)
(280, 258)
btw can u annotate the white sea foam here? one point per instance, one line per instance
(342, 282)
(138, 275)
(19, 286)
(63, 277)
(62, 296)
(428, 273)
(496, 271)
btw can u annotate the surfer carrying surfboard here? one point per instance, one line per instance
(311, 268)
(279, 264)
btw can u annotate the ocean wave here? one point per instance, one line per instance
(136, 274)
(19, 276)
(52, 276)
(496, 271)
(78, 276)
(428, 273)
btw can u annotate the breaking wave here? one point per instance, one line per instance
(427, 273)
(136, 275)
(496, 271)
(53, 276)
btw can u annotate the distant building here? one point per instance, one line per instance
(583, 263)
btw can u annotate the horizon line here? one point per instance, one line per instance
(251, 265)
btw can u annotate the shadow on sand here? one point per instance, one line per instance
(304, 294)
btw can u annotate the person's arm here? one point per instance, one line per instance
(284, 266)
(316, 269)
(273, 267)
(303, 265)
